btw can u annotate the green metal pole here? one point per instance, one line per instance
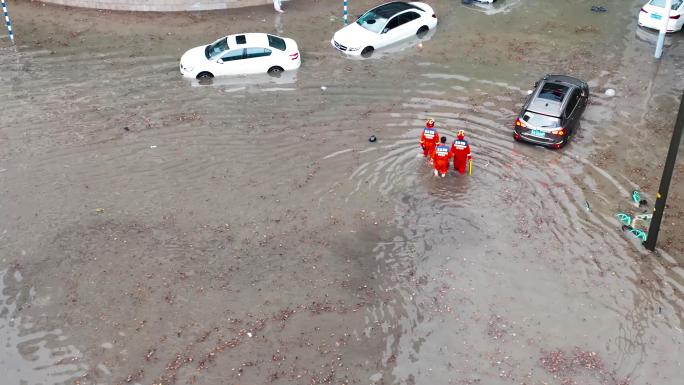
(668, 170)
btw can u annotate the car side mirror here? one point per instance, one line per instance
(220, 61)
(385, 30)
(536, 84)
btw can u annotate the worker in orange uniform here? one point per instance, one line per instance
(429, 139)
(440, 158)
(460, 149)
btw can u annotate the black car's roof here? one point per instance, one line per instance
(390, 9)
(564, 79)
(552, 93)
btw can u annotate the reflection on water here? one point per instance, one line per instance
(400, 49)
(650, 36)
(31, 351)
(493, 7)
(285, 81)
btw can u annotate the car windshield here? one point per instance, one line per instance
(372, 21)
(216, 48)
(539, 120)
(552, 91)
(661, 4)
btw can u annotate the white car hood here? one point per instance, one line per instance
(355, 36)
(193, 56)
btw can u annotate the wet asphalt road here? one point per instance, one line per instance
(154, 230)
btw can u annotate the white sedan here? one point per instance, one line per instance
(247, 53)
(384, 25)
(651, 15)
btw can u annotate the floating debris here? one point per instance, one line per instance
(624, 218)
(639, 233)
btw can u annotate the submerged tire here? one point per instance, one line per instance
(275, 71)
(422, 31)
(367, 52)
(205, 75)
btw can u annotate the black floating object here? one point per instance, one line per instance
(126, 128)
(643, 202)
(372, 138)
(598, 8)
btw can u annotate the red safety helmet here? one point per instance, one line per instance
(430, 123)
(460, 134)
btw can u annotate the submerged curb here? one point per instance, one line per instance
(160, 5)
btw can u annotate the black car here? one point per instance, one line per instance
(551, 113)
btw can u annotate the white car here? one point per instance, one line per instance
(247, 53)
(384, 25)
(651, 15)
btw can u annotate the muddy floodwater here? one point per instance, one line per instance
(154, 230)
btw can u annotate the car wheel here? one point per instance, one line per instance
(205, 75)
(422, 31)
(275, 71)
(367, 52)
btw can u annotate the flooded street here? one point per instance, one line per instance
(154, 230)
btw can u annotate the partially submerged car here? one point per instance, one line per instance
(552, 112)
(402, 47)
(241, 54)
(652, 13)
(384, 25)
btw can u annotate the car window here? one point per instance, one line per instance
(553, 91)
(407, 17)
(661, 4)
(276, 42)
(574, 98)
(235, 54)
(393, 23)
(539, 120)
(256, 52)
(240, 39)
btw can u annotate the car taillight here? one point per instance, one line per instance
(643, 10)
(294, 56)
(519, 123)
(675, 17)
(560, 132)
